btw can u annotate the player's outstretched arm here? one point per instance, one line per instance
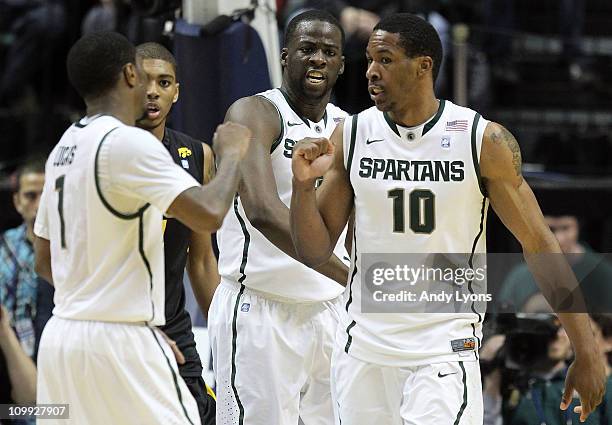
(318, 217)
(201, 262)
(203, 208)
(515, 204)
(258, 190)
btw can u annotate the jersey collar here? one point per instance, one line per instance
(306, 120)
(85, 121)
(413, 133)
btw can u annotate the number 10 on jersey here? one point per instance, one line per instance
(421, 204)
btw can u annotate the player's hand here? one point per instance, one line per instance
(586, 375)
(311, 158)
(231, 140)
(180, 359)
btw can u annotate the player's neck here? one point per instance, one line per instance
(113, 106)
(312, 109)
(412, 114)
(159, 131)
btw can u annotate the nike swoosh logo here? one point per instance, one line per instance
(292, 124)
(369, 141)
(440, 375)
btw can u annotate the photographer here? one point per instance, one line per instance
(525, 365)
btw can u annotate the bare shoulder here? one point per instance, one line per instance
(501, 153)
(259, 115)
(252, 109)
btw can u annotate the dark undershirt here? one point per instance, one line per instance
(176, 243)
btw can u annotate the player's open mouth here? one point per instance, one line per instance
(315, 77)
(376, 92)
(153, 111)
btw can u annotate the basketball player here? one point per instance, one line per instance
(99, 240)
(271, 316)
(397, 156)
(182, 247)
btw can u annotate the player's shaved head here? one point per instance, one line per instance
(156, 51)
(310, 16)
(95, 62)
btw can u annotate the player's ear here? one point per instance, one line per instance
(425, 65)
(341, 71)
(176, 95)
(283, 56)
(130, 75)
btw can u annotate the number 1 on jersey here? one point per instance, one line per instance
(422, 210)
(398, 209)
(59, 187)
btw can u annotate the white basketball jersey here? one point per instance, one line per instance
(106, 185)
(417, 190)
(245, 255)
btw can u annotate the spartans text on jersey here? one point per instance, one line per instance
(400, 169)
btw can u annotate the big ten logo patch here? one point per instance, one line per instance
(463, 344)
(288, 148)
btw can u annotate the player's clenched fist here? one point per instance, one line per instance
(231, 140)
(311, 158)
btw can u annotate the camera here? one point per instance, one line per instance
(528, 337)
(528, 350)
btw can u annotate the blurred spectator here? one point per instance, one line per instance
(358, 18)
(535, 395)
(26, 299)
(530, 364)
(36, 28)
(524, 366)
(591, 269)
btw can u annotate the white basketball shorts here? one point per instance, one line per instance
(271, 359)
(111, 373)
(434, 394)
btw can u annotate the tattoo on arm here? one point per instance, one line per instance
(505, 137)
